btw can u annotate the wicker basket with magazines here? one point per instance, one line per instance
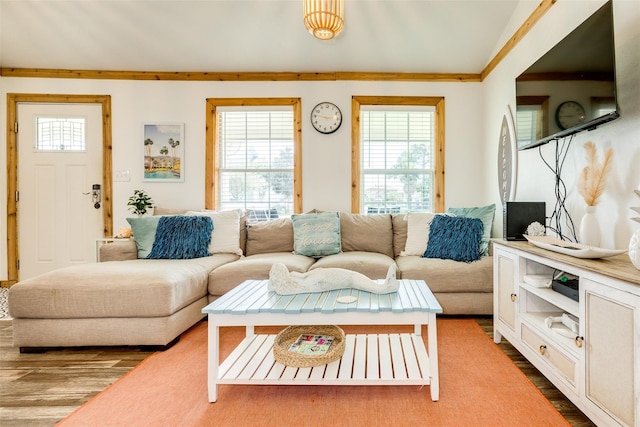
(309, 346)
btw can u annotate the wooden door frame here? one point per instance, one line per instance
(12, 167)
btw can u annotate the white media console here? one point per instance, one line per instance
(597, 368)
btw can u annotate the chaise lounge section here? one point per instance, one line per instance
(137, 302)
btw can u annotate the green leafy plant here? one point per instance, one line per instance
(140, 202)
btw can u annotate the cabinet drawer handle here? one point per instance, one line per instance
(578, 341)
(513, 297)
(543, 349)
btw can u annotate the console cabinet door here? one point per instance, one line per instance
(506, 282)
(612, 351)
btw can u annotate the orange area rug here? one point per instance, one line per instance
(479, 386)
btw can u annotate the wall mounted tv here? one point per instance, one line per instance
(572, 87)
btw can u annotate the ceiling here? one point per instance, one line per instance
(410, 36)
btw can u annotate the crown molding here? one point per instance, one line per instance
(235, 76)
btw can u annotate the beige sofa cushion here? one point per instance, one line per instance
(466, 303)
(158, 210)
(445, 275)
(269, 236)
(368, 233)
(254, 267)
(225, 236)
(400, 226)
(418, 227)
(371, 264)
(136, 288)
(119, 250)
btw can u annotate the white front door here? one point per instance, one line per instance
(58, 218)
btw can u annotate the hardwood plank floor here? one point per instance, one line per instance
(38, 390)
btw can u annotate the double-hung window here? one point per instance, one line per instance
(531, 118)
(399, 152)
(255, 150)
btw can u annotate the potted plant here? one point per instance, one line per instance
(140, 202)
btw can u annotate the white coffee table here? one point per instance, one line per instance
(369, 359)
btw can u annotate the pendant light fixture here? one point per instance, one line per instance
(324, 18)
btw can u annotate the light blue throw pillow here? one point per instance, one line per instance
(316, 234)
(144, 233)
(484, 213)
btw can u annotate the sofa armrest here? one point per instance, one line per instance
(119, 250)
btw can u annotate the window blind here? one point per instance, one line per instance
(528, 124)
(396, 152)
(256, 159)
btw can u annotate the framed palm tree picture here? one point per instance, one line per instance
(163, 152)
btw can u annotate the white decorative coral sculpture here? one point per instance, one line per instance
(536, 229)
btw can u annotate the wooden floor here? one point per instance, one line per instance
(41, 389)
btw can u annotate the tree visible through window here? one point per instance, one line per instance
(398, 150)
(256, 151)
(256, 159)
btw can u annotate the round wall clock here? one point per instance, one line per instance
(326, 117)
(569, 114)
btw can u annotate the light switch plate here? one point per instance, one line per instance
(121, 176)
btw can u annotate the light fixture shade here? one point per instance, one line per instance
(324, 18)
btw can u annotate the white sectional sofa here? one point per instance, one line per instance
(126, 300)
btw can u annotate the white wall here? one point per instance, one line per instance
(534, 181)
(473, 113)
(326, 163)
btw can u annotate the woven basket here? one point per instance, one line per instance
(287, 336)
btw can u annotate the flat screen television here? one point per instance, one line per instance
(572, 87)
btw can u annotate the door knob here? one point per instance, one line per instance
(96, 195)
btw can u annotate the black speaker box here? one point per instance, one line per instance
(570, 288)
(518, 216)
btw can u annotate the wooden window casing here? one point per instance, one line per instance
(438, 154)
(212, 161)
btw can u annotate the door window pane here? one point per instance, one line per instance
(60, 134)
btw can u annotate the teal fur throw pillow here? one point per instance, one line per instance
(484, 213)
(454, 237)
(182, 237)
(144, 233)
(316, 234)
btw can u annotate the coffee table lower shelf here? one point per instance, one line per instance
(369, 359)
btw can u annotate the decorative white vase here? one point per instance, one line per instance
(634, 249)
(589, 228)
